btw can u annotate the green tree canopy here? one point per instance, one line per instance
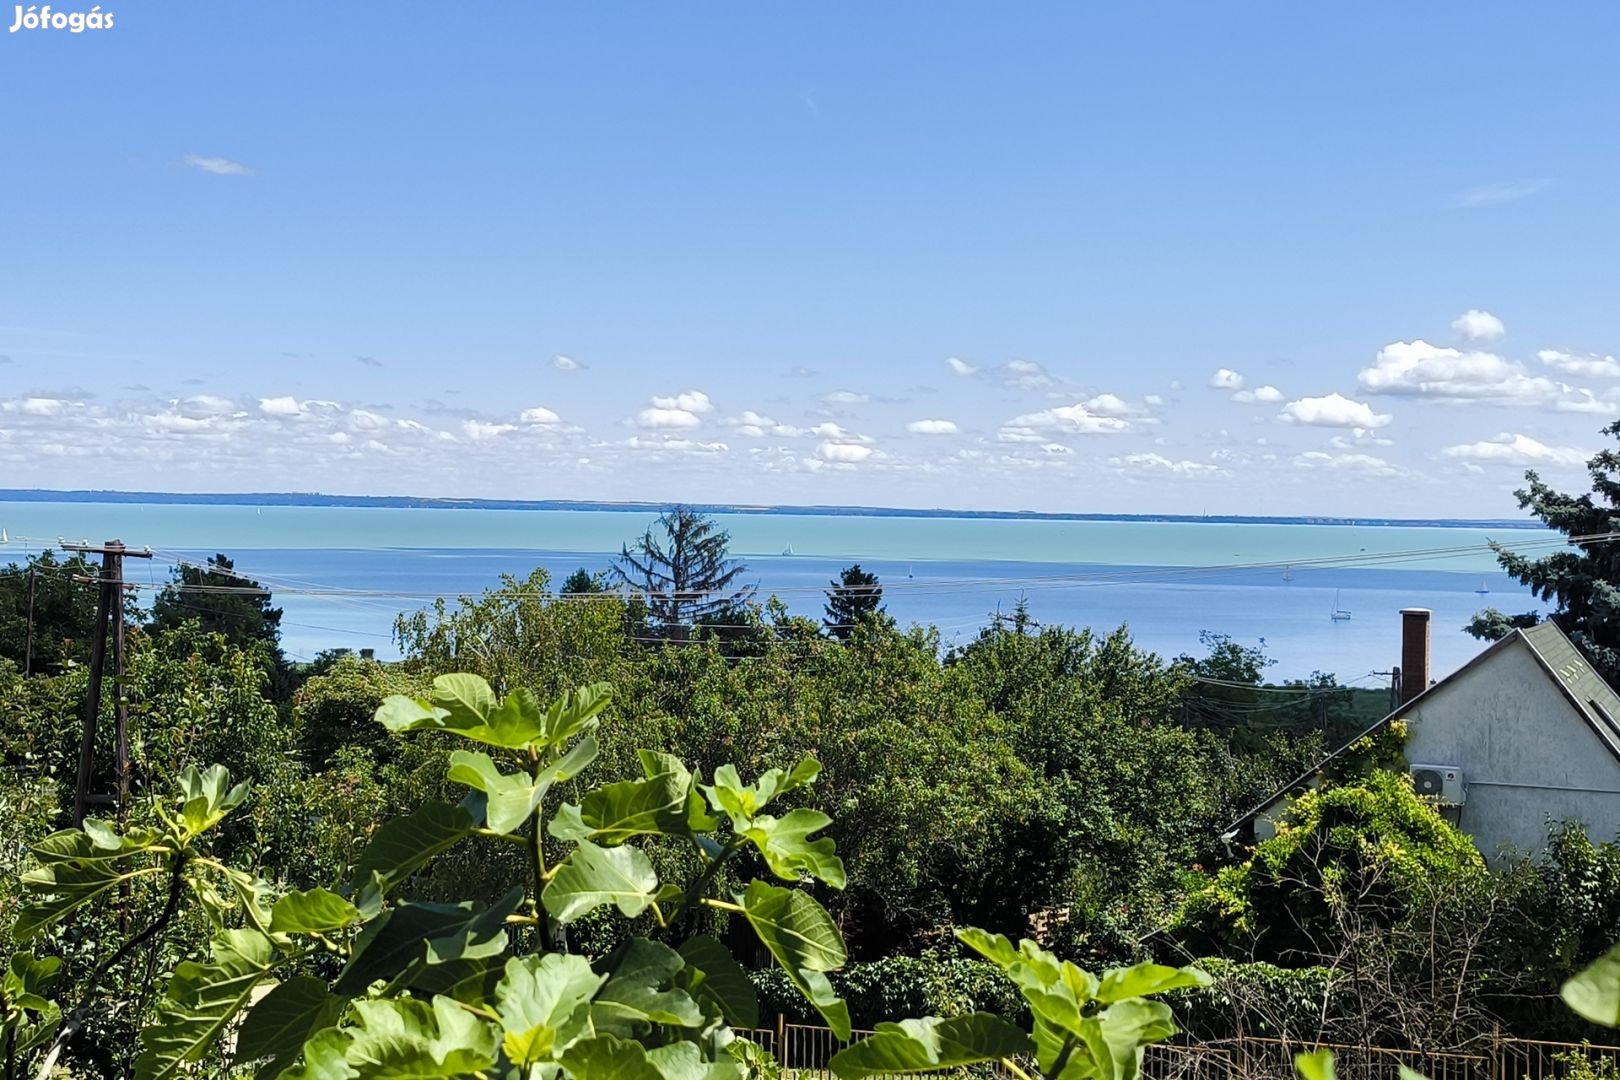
(1583, 580)
(681, 567)
(221, 602)
(64, 611)
(855, 595)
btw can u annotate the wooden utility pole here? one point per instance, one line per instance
(109, 608)
(28, 650)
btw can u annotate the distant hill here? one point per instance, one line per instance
(412, 502)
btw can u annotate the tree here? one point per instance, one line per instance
(223, 602)
(1583, 580)
(582, 583)
(687, 577)
(854, 595)
(64, 611)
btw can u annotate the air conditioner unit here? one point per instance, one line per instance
(1441, 782)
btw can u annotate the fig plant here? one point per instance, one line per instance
(357, 980)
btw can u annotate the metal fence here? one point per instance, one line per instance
(804, 1051)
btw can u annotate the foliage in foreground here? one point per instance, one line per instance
(356, 980)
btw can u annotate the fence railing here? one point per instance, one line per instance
(803, 1052)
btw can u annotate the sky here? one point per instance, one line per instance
(1265, 258)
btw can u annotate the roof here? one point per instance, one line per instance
(1592, 698)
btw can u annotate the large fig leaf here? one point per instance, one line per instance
(202, 999)
(593, 876)
(805, 941)
(932, 1043)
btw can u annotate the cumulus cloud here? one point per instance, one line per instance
(1153, 401)
(960, 367)
(1477, 325)
(1226, 379)
(681, 411)
(279, 406)
(845, 397)
(1510, 448)
(692, 401)
(1419, 369)
(217, 165)
(538, 414)
(1333, 410)
(1580, 365)
(1260, 395)
(565, 363)
(1158, 463)
(1074, 419)
(1369, 464)
(1108, 405)
(1026, 375)
(844, 453)
(932, 427)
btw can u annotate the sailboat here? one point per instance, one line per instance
(4, 539)
(1288, 572)
(1484, 588)
(1338, 614)
(787, 551)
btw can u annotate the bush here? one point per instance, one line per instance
(900, 986)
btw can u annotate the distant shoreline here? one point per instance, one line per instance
(306, 499)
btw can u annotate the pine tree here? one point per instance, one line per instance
(854, 595)
(222, 601)
(687, 577)
(582, 582)
(1583, 580)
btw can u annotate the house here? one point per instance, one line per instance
(1524, 734)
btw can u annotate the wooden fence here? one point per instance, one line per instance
(803, 1053)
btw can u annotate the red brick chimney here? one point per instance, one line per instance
(1414, 652)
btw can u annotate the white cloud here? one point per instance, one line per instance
(692, 401)
(1333, 410)
(932, 427)
(565, 363)
(1477, 325)
(362, 420)
(1069, 419)
(1509, 448)
(204, 405)
(1026, 375)
(1589, 365)
(961, 367)
(280, 406)
(1496, 194)
(1161, 464)
(480, 431)
(1260, 395)
(1226, 379)
(1108, 405)
(217, 165)
(844, 453)
(1351, 463)
(659, 418)
(539, 414)
(845, 397)
(1419, 369)
(1153, 400)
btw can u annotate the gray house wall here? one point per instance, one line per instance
(1527, 756)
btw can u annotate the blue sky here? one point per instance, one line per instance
(341, 247)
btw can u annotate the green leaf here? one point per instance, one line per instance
(1595, 992)
(805, 941)
(314, 912)
(1115, 1037)
(404, 844)
(466, 698)
(76, 868)
(608, 1058)
(592, 876)
(639, 993)
(544, 1003)
(789, 851)
(206, 797)
(465, 705)
(1409, 1074)
(713, 976)
(1143, 979)
(403, 1037)
(614, 813)
(201, 1001)
(1315, 1066)
(684, 1061)
(324, 1057)
(28, 979)
(278, 1024)
(512, 797)
(569, 714)
(411, 934)
(740, 802)
(931, 1043)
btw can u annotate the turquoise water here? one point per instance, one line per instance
(1166, 580)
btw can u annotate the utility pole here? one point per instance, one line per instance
(28, 650)
(109, 607)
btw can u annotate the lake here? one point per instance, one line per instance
(1166, 580)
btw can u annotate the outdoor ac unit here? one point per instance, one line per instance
(1441, 782)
